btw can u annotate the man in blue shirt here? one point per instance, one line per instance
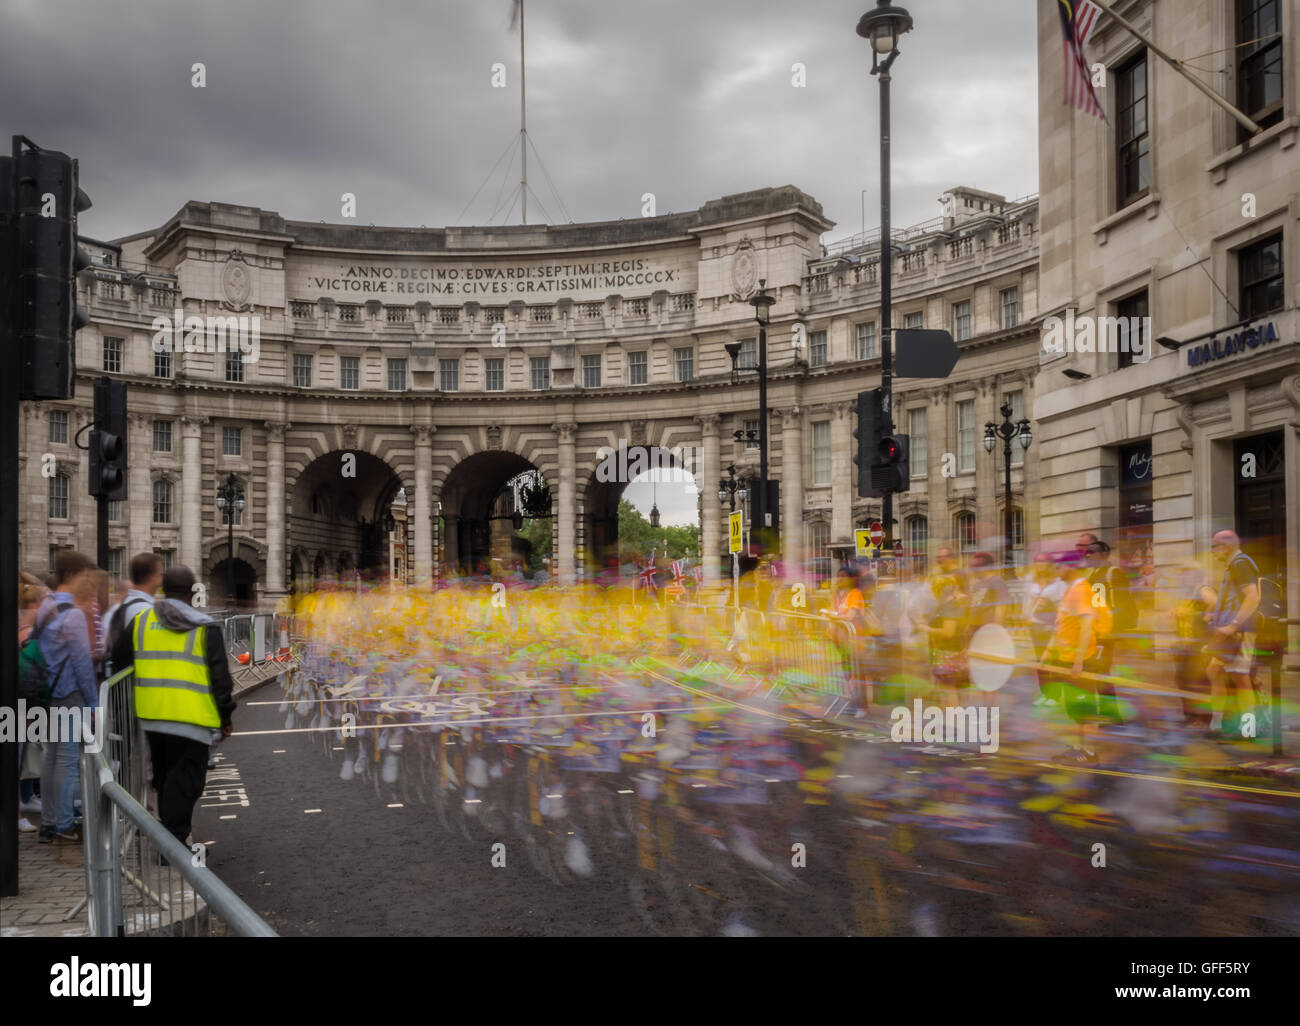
(65, 643)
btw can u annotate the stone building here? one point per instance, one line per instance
(1167, 212)
(446, 362)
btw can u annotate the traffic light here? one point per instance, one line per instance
(46, 203)
(891, 471)
(108, 440)
(867, 435)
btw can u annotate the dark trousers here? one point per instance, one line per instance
(180, 769)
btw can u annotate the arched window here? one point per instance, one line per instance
(963, 529)
(162, 501)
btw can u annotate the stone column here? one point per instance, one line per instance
(844, 472)
(710, 471)
(938, 523)
(275, 516)
(139, 488)
(792, 546)
(566, 505)
(191, 554)
(423, 509)
(988, 473)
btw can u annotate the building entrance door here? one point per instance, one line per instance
(1261, 500)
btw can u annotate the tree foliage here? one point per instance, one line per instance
(636, 537)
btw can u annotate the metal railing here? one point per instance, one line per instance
(140, 880)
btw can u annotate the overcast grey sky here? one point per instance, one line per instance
(392, 100)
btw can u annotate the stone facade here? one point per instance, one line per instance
(447, 361)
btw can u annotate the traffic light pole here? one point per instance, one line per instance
(886, 296)
(10, 353)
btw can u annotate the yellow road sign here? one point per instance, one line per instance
(736, 531)
(862, 542)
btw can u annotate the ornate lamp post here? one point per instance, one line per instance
(230, 501)
(730, 490)
(1007, 430)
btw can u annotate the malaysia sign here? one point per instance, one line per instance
(1231, 345)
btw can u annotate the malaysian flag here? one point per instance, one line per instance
(1078, 18)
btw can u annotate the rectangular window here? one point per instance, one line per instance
(867, 341)
(449, 375)
(1259, 53)
(1010, 307)
(918, 425)
(539, 368)
(1133, 309)
(114, 567)
(168, 556)
(817, 349)
(397, 375)
(162, 502)
(748, 358)
(1132, 142)
(1259, 270)
(913, 320)
(821, 452)
(350, 372)
(966, 435)
(751, 434)
(301, 370)
(961, 320)
(59, 427)
(591, 371)
(234, 365)
(162, 436)
(494, 372)
(638, 368)
(112, 355)
(162, 365)
(115, 507)
(59, 497)
(232, 441)
(685, 361)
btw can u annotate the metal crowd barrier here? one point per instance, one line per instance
(140, 880)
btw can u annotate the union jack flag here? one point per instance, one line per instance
(698, 571)
(1078, 18)
(647, 577)
(679, 572)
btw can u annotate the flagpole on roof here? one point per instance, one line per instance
(1178, 66)
(523, 121)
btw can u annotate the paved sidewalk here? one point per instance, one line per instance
(51, 883)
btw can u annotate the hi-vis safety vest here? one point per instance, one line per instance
(171, 674)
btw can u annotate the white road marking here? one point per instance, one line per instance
(307, 811)
(228, 817)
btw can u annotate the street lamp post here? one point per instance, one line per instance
(762, 304)
(883, 26)
(390, 525)
(230, 500)
(729, 489)
(1007, 430)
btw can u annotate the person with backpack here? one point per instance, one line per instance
(1233, 623)
(57, 664)
(146, 578)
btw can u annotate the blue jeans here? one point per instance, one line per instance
(61, 777)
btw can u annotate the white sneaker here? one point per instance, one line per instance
(25, 826)
(30, 806)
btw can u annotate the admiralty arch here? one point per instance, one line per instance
(436, 366)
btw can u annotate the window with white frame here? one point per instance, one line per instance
(494, 374)
(821, 452)
(59, 497)
(162, 501)
(817, 349)
(115, 509)
(449, 375)
(114, 567)
(961, 320)
(112, 355)
(748, 357)
(234, 365)
(819, 536)
(540, 372)
(397, 375)
(232, 441)
(913, 320)
(302, 370)
(684, 359)
(638, 368)
(917, 532)
(162, 365)
(58, 427)
(168, 557)
(1010, 307)
(350, 372)
(750, 428)
(963, 529)
(591, 371)
(966, 435)
(867, 341)
(162, 436)
(918, 442)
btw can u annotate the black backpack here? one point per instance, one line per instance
(35, 685)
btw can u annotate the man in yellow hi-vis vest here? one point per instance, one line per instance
(183, 694)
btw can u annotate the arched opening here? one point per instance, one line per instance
(245, 581)
(495, 516)
(631, 488)
(340, 504)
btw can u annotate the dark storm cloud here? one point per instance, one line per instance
(392, 100)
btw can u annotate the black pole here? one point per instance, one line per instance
(1007, 435)
(886, 295)
(230, 554)
(761, 506)
(101, 531)
(9, 397)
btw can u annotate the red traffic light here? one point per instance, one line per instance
(890, 450)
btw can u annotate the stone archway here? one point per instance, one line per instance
(340, 501)
(481, 511)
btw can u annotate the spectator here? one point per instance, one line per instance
(183, 694)
(65, 644)
(31, 754)
(146, 578)
(1232, 639)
